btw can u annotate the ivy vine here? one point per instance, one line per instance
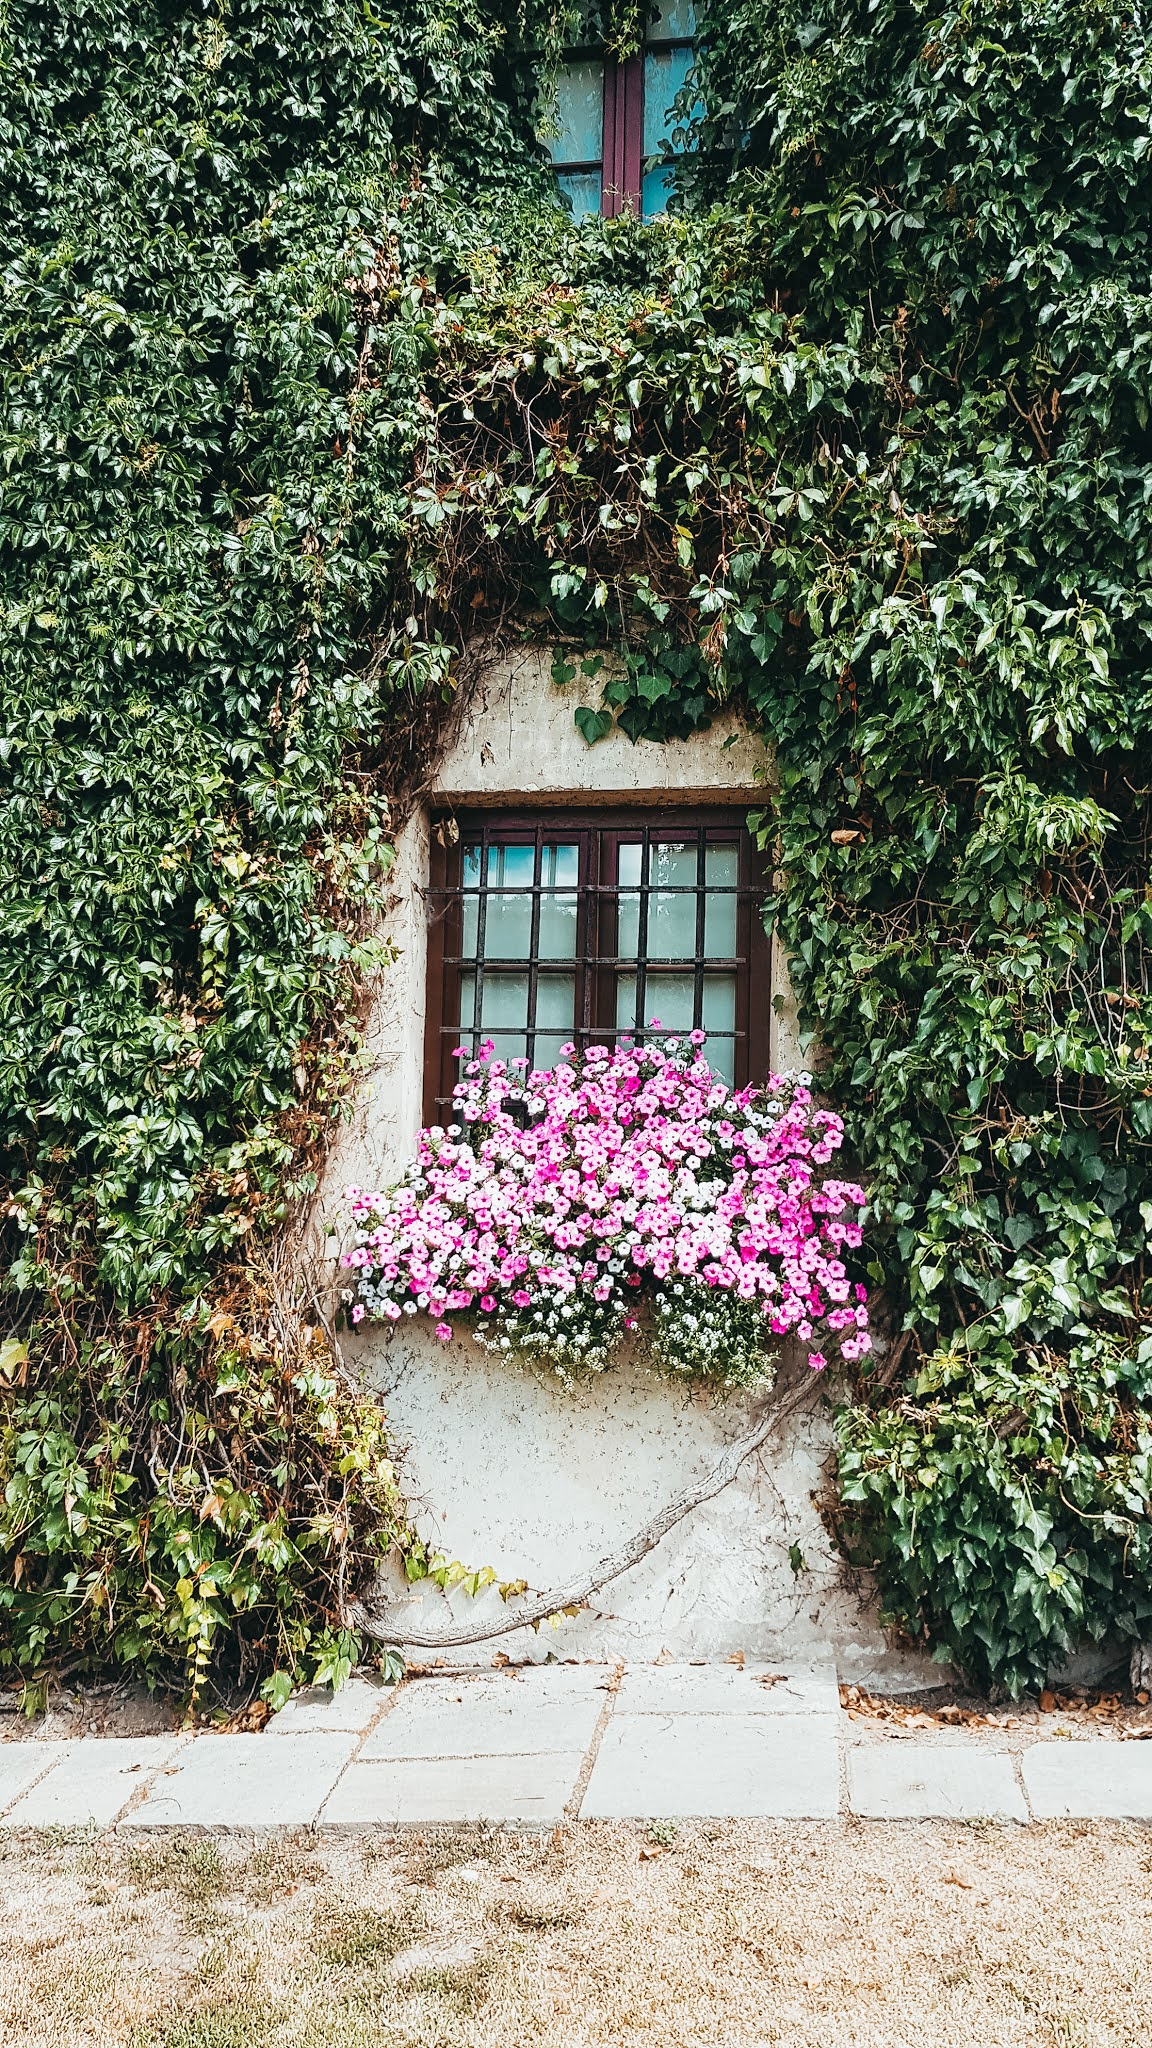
(309, 380)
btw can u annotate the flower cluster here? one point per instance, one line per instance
(626, 1190)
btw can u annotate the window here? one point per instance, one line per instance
(614, 118)
(591, 926)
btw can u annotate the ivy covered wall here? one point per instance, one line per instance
(307, 379)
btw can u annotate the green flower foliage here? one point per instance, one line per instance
(307, 375)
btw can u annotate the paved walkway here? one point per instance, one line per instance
(562, 1741)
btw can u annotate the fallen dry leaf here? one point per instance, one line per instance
(1079, 1702)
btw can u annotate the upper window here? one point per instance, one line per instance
(593, 927)
(615, 119)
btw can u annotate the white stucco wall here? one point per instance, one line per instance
(512, 1470)
(516, 739)
(509, 1469)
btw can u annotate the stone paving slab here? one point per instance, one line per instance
(735, 1766)
(317, 1710)
(529, 1789)
(653, 1740)
(21, 1763)
(92, 1781)
(727, 1689)
(245, 1781)
(925, 1781)
(548, 1709)
(1089, 1780)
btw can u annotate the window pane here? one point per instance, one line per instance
(720, 872)
(718, 1019)
(508, 925)
(665, 73)
(656, 190)
(674, 18)
(672, 919)
(626, 1003)
(579, 114)
(471, 901)
(582, 190)
(559, 872)
(628, 880)
(504, 1007)
(668, 1000)
(555, 1017)
(560, 866)
(504, 1001)
(719, 1011)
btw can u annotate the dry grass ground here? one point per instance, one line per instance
(719, 1936)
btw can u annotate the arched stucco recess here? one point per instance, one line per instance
(512, 1470)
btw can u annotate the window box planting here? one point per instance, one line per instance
(627, 1194)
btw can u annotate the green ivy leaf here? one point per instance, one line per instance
(594, 725)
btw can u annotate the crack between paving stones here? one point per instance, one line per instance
(140, 1794)
(612, 1687)
(30, 1786)
(382, 1712)
(1021, 1783)
(843, 1781)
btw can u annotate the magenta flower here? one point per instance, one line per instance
(628, 1175)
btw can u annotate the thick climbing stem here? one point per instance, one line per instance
(392, 1624)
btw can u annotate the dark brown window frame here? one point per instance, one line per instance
(599, 831)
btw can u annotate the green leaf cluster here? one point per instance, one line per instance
(1003, 1502)
(215, 319)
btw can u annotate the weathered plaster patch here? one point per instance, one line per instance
(515, 1471)
(516, 741)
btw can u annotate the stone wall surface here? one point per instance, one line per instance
(515, 1471)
